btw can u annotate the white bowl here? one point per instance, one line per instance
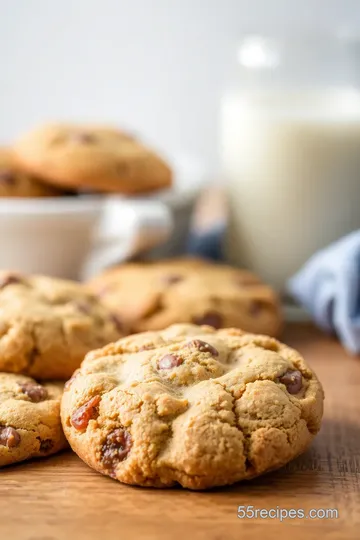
(76, 237)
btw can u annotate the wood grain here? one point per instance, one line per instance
(60, 498)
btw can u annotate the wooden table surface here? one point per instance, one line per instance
(61, 498)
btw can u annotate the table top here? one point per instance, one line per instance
(61, 498)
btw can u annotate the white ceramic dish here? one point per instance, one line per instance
(76, 237)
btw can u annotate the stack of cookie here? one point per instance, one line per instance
(60, 159)
(189, 404)
(15, 182)
(46, 327)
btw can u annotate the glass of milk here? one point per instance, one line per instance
(290, 141)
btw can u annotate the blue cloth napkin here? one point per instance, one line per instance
(328, 286)
(207, 244)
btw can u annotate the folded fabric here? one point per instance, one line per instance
(207, 244)
(328, 286)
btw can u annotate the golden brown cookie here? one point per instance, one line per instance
(95, 157)
(30, 423)
(47, 325)
(14, 182)
(191, 405)
(151, 296)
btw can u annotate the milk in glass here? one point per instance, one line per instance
(291, 161)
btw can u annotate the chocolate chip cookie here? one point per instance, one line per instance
(29, 419)
(94, 157)
(191, 405)
(151, 296)
(16, 183)
(47, 325)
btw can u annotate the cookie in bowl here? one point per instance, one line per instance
(151, 296)
(98, 158)
(191, 405)
(30, 423)
(15, 182)
(47, 325)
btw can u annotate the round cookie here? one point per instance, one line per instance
(16, 183)
(47, 325)
(30, 423)
(191, 405)
(100, 158)
(151, 296)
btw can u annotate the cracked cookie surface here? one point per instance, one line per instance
(30, 423)
(47, 325)
(191, 405)
(151, 296)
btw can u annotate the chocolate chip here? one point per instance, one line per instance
(105, 289)
(246, 281)
(122, 168)
(169, 361)
(35, 392)
(211, 318)
(147, 348)
(46, 445)
(171, 279)
(292, 380)
(10, 279)
(83, 307)
(7, 177)
(202, 346)
(117, 322)
(70, 381)
(256, 307)
(81, 137)
(116, 447)
(9, 437)
(82, 416)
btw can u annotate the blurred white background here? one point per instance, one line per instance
(156, 66)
